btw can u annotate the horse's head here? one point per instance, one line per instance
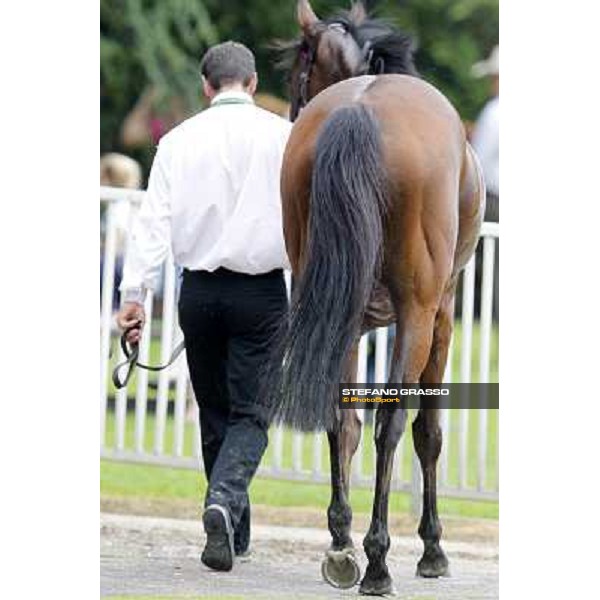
(341, 47)
(327, 53)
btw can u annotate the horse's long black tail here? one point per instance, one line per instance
(345, 231)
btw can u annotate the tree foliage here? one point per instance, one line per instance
(154, 43)
(451, 36)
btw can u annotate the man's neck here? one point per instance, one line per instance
(232, 94)
(232, 88)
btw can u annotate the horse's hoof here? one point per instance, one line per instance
(340, 569)
(376, 587)
(433, 563)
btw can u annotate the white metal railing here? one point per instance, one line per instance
(164, 430)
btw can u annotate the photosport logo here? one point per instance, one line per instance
(396, 395)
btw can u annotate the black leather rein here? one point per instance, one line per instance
(131, 353)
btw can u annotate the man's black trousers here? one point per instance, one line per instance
(228, 321)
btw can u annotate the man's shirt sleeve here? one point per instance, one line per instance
(150, 238)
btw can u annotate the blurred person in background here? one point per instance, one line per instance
(118, 170)
(486, 142)
(486, 134)
(148, 120)
(213, 198)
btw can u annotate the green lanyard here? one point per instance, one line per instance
(231, 101)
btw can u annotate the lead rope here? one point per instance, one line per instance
(131, 353)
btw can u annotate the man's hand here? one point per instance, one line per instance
(130, 314)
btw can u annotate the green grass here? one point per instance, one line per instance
(128, 480)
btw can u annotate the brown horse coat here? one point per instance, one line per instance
(439, 182)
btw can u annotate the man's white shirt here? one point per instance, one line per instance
(213, 196)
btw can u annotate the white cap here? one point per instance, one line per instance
(490, 66)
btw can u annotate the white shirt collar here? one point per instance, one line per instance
(232, 95)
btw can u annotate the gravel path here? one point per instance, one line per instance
(159, 556)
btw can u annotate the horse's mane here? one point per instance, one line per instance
(395, 47)
(393, 50)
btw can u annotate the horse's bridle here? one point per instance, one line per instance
(308, 57)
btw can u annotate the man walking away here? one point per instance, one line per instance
(213, 199)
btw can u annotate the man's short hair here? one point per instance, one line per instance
(228, 63)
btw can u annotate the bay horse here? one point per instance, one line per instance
(382, 201)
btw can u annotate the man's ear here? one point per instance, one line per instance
(252, 84)
(208, 89)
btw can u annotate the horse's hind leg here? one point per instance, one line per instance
(342, 446)
(427, 436)
(340, 568)
(411, 349)
(389, 426)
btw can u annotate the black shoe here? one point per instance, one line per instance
(243, 555)
(218, 553)
(241, 535)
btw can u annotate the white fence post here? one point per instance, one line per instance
(197, 439)
(381, 354)
(180, 406)
(121, 410)
(166, 342)
(361, 377)
(487, 298)
(317, 466)
(141, 394)
(297, 445)
(465, 366)
(108, 285)
(278, 448)
(445, 421)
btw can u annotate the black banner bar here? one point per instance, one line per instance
(397, 395)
